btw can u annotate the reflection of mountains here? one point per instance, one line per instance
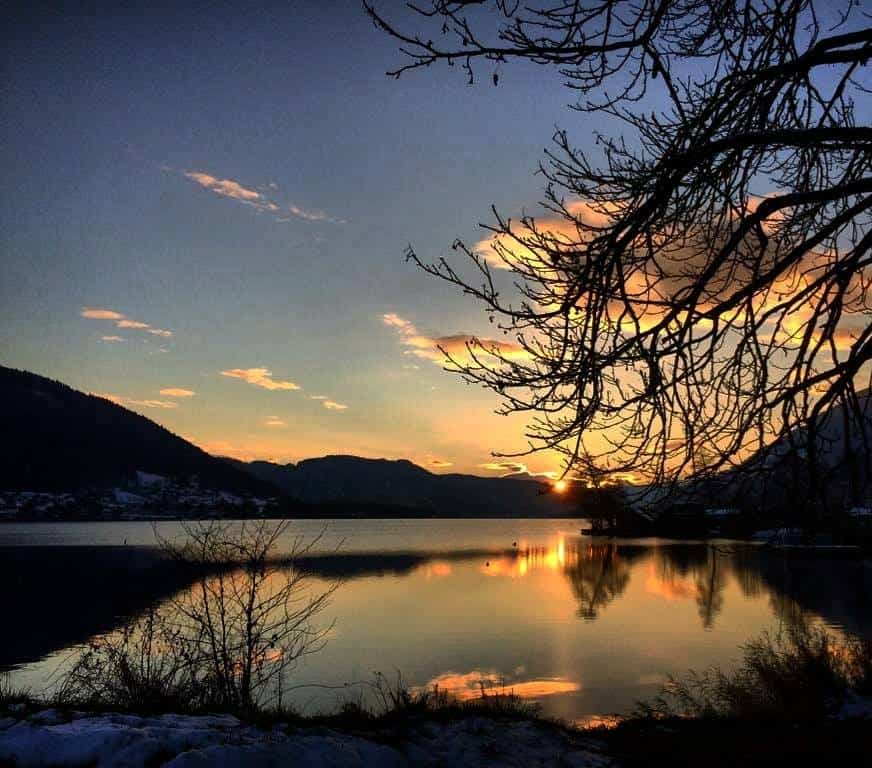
(56, 597)
(355, 565)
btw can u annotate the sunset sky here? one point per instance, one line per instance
(205, 213)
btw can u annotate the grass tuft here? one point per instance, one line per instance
(10, 696)
(801, 675)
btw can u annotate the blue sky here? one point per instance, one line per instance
(246, 178)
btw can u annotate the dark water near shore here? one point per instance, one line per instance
(584, 626)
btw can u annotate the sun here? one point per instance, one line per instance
(560, 486)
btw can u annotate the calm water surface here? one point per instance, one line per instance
(584, 626)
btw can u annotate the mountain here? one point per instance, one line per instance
(780, 473)
(56, 438)
(348, 481)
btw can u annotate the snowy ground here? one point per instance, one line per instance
(52, 738)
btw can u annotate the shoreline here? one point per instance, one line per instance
(36, 736)
(80, 739)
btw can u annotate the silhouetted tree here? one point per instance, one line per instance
(699, 287)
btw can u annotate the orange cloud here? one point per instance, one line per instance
(330, 405)
(236, 191)
(458, 348)
(122, 321)
(274, 421)
(505, 466)
(177, 392)
(509, 468)
(225, 448)
(259, 377)
(101, 314)
(503, 251)
(306, 215)
(129, 401)
(432, 461)
(224, 187)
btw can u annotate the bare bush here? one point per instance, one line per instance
(144, 666)
(228, 641)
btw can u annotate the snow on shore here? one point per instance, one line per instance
(52, 738)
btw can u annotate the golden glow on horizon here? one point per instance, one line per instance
(560, 486)
(439, 569)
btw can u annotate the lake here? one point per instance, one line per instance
(584, 626)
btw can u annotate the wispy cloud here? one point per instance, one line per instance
(129, 401)
(263, 199)
(177, 392)
(504, 466)
(101, 314)
(313, 215)
(154, 403)
(224, 187)
(225, 448)
(275, 421)
(259, 377)
(432, 461)
(330, 405)
(458, 348)
(122, 321)
(508, 468)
